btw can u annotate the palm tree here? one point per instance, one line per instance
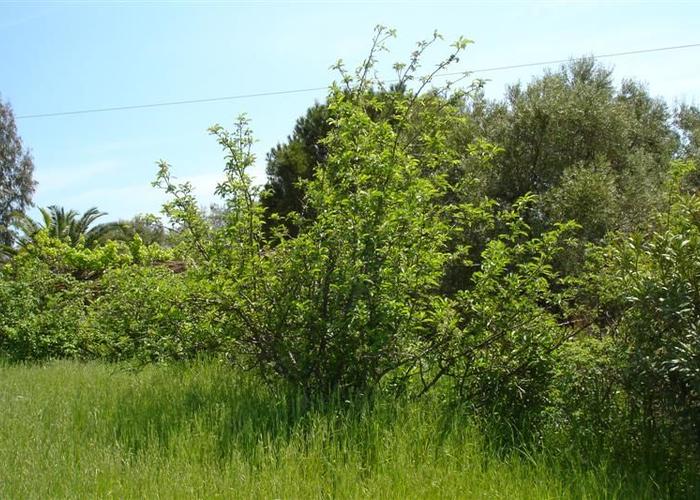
(68, 226)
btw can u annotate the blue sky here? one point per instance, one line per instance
(65, 56)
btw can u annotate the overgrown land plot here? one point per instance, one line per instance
(435, 295)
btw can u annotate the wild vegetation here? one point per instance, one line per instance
(433, 288)
(77, 430)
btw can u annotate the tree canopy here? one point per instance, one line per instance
(570, 135)
(16, 169)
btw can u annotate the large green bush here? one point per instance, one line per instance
(345, 302)
(150, 314)
(115, 300)
(354, 297)
(656, 280)
(41, 312)
(631, 382)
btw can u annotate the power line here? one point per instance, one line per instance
(560, 61)
(171, 103)
(316, 89)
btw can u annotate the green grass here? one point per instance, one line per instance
(96, 430)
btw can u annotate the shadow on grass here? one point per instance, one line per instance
(235, 411)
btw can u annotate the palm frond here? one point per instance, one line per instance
(68, 226)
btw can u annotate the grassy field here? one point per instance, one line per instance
(96, 430)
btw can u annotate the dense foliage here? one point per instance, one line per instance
(535, 261)
(16, 169)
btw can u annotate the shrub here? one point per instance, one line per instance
(51, 293)
(41, 312)
(151, 314)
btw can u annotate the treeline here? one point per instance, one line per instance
(534, 259)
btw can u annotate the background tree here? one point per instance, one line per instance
(69, 227)
(295, 161)
(149, 228)
(687, 120)
(573, 129)
(570, 135)
(16, 169)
